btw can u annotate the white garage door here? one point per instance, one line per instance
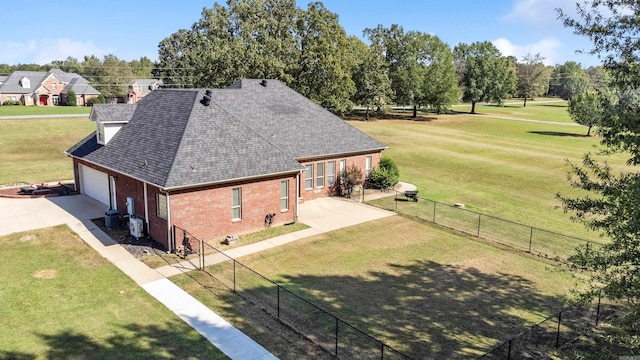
(95, 184)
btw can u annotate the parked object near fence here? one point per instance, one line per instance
(412, 194)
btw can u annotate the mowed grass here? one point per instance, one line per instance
(423, 290)
(33, 149)
(553, 110)
(61, 300)
(43, 110)
(504, 168)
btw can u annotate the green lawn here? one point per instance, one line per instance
(43, 110)
(544, 109)
(61, 300)
(504, 168)
(422, 290)
(33, 149)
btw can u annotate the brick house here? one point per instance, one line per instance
(45, 88)
(215, 162)
(140, 88)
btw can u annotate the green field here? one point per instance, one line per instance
(425, 291)
(33, 149)
(61, 300)
(43, 110)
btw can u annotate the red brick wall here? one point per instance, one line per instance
(318, 192)
(207, 214)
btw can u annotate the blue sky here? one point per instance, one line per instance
(132, 29)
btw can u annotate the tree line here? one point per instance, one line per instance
(309, 51)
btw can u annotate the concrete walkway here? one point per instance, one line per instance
(76, 211)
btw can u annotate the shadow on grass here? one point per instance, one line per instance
(557, 133)
(424, 309)
(563, 105)
(132, 342)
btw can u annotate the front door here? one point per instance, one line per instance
(44, 100)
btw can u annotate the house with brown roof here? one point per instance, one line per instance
(216, 162)
(45, 88)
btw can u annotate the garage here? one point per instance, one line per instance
(94, 183)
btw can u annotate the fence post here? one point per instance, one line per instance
(434, 212)
(363, 186)
(509, 351)
(479, 217)
(381, 350)
(530, 239)
(201, 254)
(336, 336)
(234, 275)
(278, 286)
(598, 310)
(396, 201)
(558, 331)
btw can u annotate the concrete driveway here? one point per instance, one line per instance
(28, 214)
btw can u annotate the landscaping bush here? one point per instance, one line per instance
(348, 180)
(385, 175)
(95, 100)
(71, 98)
(11, 102)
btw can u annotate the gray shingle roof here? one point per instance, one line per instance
(248, 131)
(80, 85)
(294, 123)
(112, 112)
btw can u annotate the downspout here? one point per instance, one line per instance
(146, 206)
(169, 232)
(297, 196)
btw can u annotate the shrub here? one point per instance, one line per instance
(385, 175)
(11, 102)
(93, 101)
(348, 180)
(71, 98)
(102, 99)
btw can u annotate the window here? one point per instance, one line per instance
(367, 167)
(236, 204)
(331, 173)
(55, 99)
(320, 175)
(55, 86)
(284, 195)
(308, 177)
(161, 206)
(343, 165)
(100, 133)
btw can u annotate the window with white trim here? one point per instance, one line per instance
(162, 210)
(308, 177)
(343, 165)
(331, 173)
(320, 174)
(236, 204)
(367, 167)
(284, 195)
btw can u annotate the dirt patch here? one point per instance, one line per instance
(27, 237)
(46, 274)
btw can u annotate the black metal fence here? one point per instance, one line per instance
(555, 332)
(318, 325)
(518, 236)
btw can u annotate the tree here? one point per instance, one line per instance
(349, 179)
(440, 83)
(115, 75)
(567, 80)
(71, 98)
(142, 69)
(483, 74)
(533, 77)
(611, 206)
(598, 77)
(589, 107)
(371, 78)
(325, 61)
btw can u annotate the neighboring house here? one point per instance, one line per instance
(45, 88)
(217, 162)
(140, 88)
(3, 79)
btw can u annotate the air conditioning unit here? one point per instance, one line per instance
(136, 227)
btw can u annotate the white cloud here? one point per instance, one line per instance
(538, 12)
(46, 50)
(547, 48)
